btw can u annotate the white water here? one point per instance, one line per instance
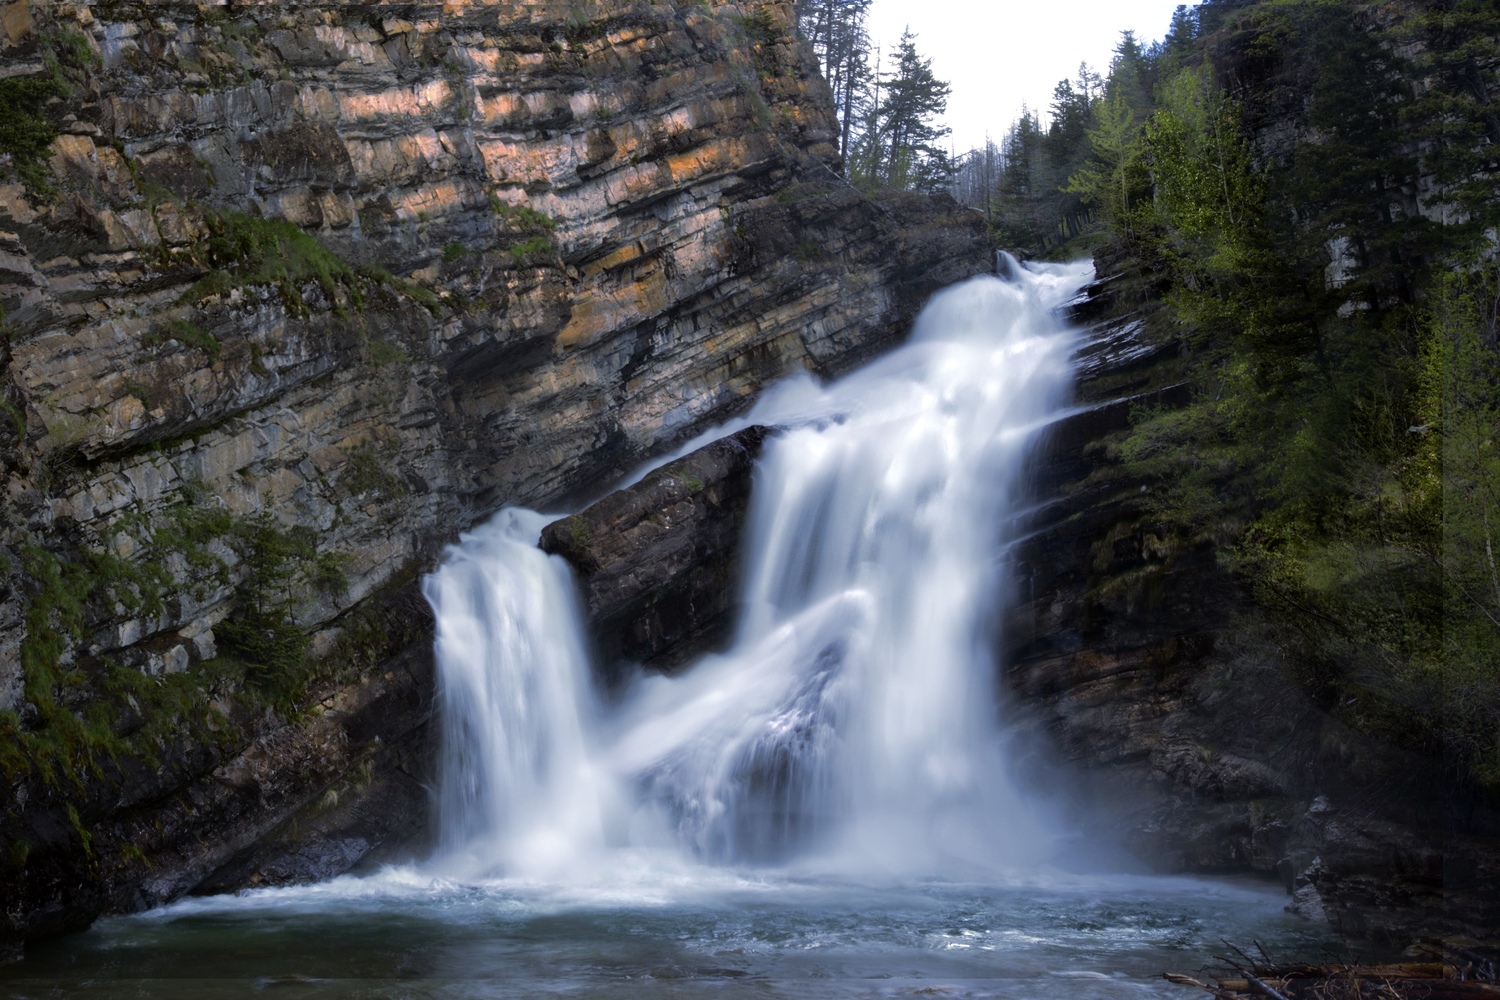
(849, 739)
(620, 852)
(852, 728)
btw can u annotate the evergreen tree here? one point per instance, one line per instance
(836, 29)
(913, 98)
(1178, 45)
(1111, 176)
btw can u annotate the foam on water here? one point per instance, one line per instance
(852, 727)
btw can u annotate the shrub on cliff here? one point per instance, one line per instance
(244, 250)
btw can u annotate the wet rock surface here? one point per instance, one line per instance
(659, 562)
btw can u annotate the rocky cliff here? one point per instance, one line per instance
(294, 294)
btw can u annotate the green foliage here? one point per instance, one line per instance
(383, 352)
(837, 32)
(1341, 444)
(1453, 116)
(187, 333)
(244, 250)
(900, 147)
(62, 744)
(83, 714)
(25, 132)
(763, 33)
(140, 392)
(1114, 176)
(581, 29)
(454, 251)
(522, 218)
(423, 296)
(367, 471)
(528, 250)
(1042, 189)
(578, 532)
(525, 221)
(14, 414)
(1459, 381)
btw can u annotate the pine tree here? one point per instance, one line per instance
(836, 29)
(913, 98)
(1178, 46)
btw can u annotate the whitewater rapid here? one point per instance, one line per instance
(852, 727)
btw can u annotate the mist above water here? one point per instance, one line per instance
(852, 728)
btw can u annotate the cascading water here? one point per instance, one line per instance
(853, 723)
(518, 780)
(848, 738)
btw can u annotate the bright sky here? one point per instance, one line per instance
(998, 54)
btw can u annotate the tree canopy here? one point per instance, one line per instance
(888, 105)
(1313, 185)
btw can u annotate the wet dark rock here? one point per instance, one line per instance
(659, 562)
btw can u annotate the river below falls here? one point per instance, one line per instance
(674, 933)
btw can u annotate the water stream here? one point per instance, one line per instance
(825, 810)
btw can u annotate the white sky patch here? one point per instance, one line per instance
(999, 54)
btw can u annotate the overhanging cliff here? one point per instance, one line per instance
(297, 293)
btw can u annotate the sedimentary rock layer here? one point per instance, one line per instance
(302, 291)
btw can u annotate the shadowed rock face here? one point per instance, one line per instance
(551, 241)
(1148, 668)
(659, 562)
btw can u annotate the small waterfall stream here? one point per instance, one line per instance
(852, 726)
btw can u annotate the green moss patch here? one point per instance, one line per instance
(244, 250)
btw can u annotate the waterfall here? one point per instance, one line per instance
(853, 724)
(518, 781)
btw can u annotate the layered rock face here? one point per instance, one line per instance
(306, 290)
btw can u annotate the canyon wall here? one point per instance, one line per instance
(293, 295)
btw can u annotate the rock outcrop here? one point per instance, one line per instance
(297, 293)
(659, 561)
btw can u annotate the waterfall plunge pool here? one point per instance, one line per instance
(825, 810)
(670, 931)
